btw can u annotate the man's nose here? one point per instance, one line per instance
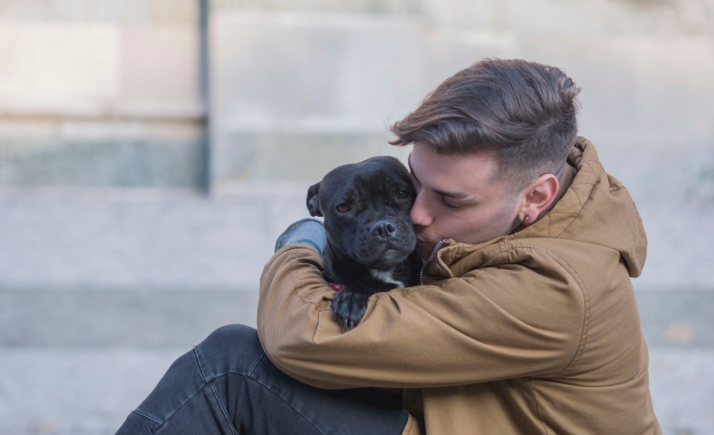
(419, 213)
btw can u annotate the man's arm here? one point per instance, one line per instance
(494, 323)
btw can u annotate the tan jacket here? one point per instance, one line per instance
(536, 332)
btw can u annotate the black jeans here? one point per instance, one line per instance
(226, 385)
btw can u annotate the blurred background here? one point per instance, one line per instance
(152, 150)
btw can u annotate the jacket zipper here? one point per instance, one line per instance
(431, 258)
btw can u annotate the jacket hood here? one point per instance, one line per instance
(595, 209)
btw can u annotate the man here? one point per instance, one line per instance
(525, 322)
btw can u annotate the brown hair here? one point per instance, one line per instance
(523, 112)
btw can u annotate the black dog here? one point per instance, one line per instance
(370, 239)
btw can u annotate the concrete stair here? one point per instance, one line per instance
(101, 291)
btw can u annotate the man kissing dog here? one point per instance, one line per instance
(370, 239)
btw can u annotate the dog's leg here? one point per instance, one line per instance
(350, 305)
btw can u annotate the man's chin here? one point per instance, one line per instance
(425, 250)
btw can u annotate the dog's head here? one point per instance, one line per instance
(366, 209)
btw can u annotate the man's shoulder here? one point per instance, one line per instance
(541, 262)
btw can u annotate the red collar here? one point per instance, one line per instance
(337, 287)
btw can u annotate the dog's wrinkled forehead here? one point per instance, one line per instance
(374, 177)
(357, 186)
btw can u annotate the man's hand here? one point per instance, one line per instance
(308, 231)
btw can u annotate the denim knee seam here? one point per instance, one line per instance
(198, 363)
(168, 417)
(223, 409)
(147, 416)
(213, 390)
(250, 370)
(160, 424)
(285, 401)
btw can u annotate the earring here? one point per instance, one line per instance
(526, 221)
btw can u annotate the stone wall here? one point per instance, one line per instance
(104, 93)
(100, 93)
(314, 72)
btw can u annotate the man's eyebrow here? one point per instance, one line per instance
(455, 195)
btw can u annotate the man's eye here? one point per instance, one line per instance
(449, 206)
(343, 208)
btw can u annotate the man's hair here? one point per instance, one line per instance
(523, 112)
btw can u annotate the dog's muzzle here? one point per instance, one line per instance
(385, 243)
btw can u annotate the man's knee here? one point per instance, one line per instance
(229, 349)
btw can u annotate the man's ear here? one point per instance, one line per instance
(313, 204)
(538, 196)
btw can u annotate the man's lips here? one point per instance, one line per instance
(424, 245)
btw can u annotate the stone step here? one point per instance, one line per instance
(91, 318)
(143, 239)
(131, 319)
(91, 391)
(77, 361)
(97, 285)
(163, 240)
(76, 391)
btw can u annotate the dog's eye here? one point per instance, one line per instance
(402, 194)
(343, 208)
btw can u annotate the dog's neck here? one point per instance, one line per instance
(386, 276)
(340, 268)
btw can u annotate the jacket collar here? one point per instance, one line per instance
(585, 182)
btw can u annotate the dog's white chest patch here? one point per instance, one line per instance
(386, 277)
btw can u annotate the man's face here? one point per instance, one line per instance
(459, 197)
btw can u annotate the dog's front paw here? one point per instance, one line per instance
(349, 306)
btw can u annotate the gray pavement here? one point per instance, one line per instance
(101, 291)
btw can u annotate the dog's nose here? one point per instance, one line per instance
(384, 230)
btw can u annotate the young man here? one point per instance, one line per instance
(525, 321)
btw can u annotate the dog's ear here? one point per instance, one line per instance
(313, 204)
